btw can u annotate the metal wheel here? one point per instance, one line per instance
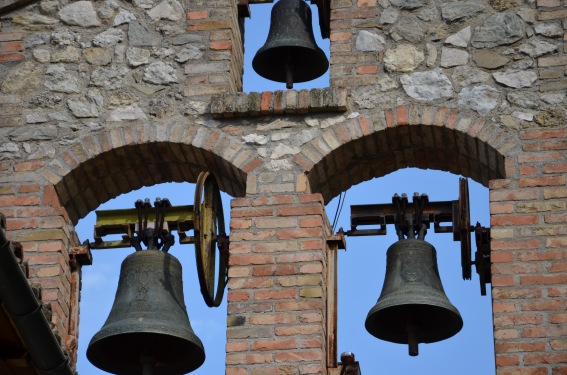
(209, 236)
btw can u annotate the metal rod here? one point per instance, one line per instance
(288, 71)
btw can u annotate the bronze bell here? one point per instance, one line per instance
(413, 307)
(290, 53)
(147, 331)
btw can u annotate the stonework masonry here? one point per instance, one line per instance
(98, 98)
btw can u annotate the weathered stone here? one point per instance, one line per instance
(144, 4)
(461, 38)
(59, 80)
(404, 58)
(460, 9)
(498, 29)
(122, 98)
(98, 56)
(255, 139)
(67, 55)
(64, 37)
(551, 118)
(160, 73)
(137, 56)
(36, 39)
(41, 55)
(427, 86)
(196, 108)
(409, 4)
(190, 52)
(510, 122)
(369, 41)
(549, 30)
(282, 150)
(501, 5)
(110, 78)
(8, 148)
(527, 14)
(36, 118)
(160, 107)
(141, 36)
(132, 112)
(123, 17)
(437, 32)
(109, 38)
(526, 116)
(553, 98)
(46, 100)
(536, 48)
(431, 54)
(183, 39)
(385, 83)
(481, 99)
(389, 16)
(167, 10)
(524, 99)
(33, 21)
(453, 57)
(410, 28)
(34, 133)
(82, 107)
(428, 14)
(107, 9)
(489, 60)
(80, 13)
(49, 7)
(516, 78)
(43, 151)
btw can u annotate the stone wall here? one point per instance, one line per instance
(104, 97)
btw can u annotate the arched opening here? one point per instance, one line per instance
(256, 31)
(99, 281)
(361, 271)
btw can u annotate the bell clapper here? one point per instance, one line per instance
(413, 340)
(148, 362)
(288, 71)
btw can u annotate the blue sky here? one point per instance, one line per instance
(361, 267)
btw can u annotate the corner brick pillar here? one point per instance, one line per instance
(529, 258)
(277, 289)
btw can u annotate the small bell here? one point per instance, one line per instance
(413, 307)
(290, 53)
(147, 331)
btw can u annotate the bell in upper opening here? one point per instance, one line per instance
(148, 330)
(290, 53)
(413, 307)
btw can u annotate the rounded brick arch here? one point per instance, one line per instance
(104, 165)
(425, 137)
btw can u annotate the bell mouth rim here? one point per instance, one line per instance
(98, 349)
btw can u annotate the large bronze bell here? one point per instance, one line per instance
(290, 53)
(147, 331)
(413, 307)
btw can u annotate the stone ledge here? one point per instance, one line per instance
(279, 102)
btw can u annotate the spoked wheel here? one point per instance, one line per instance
(210, 236)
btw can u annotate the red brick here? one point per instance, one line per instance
(15, 46)
(198, 15)
(276, 270)
(513, 220)
(507, 360)
(501, 307)
(300, 356)
(238, 296)
(518, 320)
(543, 280)
(558, 318)
(19, 201)
(542, 181)
(367, 69)
(311, 222)
(11, 56)
(523, 371)
(221, 45)
(341, 36)
(10, 36)
(294, 330)
(543, 305)
(260, 295)
(244, 260)
(513, 244)
(276, 344)
(265, 319)
(237, 346)
(390, 119)
(519, 346)
(287, 234)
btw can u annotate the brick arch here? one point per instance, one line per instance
(425, 137)
(104, 165)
